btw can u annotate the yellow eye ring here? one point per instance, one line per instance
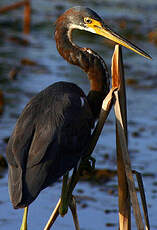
(88, 20)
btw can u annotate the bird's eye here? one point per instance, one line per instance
(88, 20)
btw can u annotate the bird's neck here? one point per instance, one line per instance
(86, 59)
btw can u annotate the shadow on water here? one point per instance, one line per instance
(29, 64)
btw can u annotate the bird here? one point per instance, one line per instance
(52, 132)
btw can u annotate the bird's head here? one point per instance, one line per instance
(86, 19)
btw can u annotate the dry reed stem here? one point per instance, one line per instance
(27, 13)
(12, 6)
(126, 160)
(123, 193)
(143, 198)
(73, 209)
(27, 17)
(105, 110)
(121, 126)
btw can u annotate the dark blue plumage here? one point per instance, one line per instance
(48, 140)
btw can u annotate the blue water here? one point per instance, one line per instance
(141, 18)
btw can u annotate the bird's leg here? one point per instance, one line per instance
(84, 164)
(72, 183)
(66, 200)
(88, 164)
(68, 186)
(53, 216)
(24, 220)
(67, 189)
(72, 205)
(63, 209)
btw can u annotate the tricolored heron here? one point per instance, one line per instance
(54, 128)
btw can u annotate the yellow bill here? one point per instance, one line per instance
(103, 30)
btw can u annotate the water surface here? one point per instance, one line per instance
(98, 204)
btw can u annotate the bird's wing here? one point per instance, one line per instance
(49, 138)
(31, 136)
(63, 123)
(65, 131)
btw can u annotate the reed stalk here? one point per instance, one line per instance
(27, 13)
